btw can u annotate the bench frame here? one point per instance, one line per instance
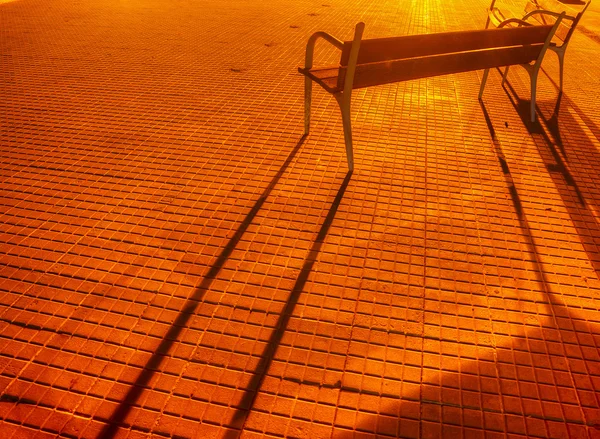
(538, 11)
(343, 98)
(388, 59)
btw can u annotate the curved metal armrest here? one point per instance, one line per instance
(310, 46)
(545, 12)
(519, 21)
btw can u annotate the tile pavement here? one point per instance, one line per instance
(177, 261)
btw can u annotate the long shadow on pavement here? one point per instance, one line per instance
(267, 356)
(566, 328)
(152, 366)
(575, 179)
(559, 354)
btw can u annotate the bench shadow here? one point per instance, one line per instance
(266, 358)
(563, 327)
(551, 353)
(510, 184)
(152, 366)
(566, 331)
(590, 34)
(574, 178)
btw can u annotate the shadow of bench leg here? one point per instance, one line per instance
(345, 109)
(533, 74)
(307, 101)
(486, 72)
(505, 75)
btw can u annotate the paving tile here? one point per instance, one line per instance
(176, 261)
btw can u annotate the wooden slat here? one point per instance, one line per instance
(385, 49)
(326, 77)
(413, 68)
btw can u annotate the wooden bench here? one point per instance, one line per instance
(544, 12)
(371, 62)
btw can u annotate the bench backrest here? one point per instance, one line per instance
(568, 24)
(387, 60)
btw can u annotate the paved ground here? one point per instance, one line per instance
(175, 260)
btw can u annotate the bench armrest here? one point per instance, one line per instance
(518, 21)
(545, 12)
(310, 46)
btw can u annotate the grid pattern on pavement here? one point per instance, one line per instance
(177, 260)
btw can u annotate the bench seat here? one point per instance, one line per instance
(371, 74)
(326, 77)
(377, 61)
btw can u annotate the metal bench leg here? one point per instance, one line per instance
(491, 8)
(505, 74)
(483, 81)
(561, 64)
(345, 109)
(307, 101)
